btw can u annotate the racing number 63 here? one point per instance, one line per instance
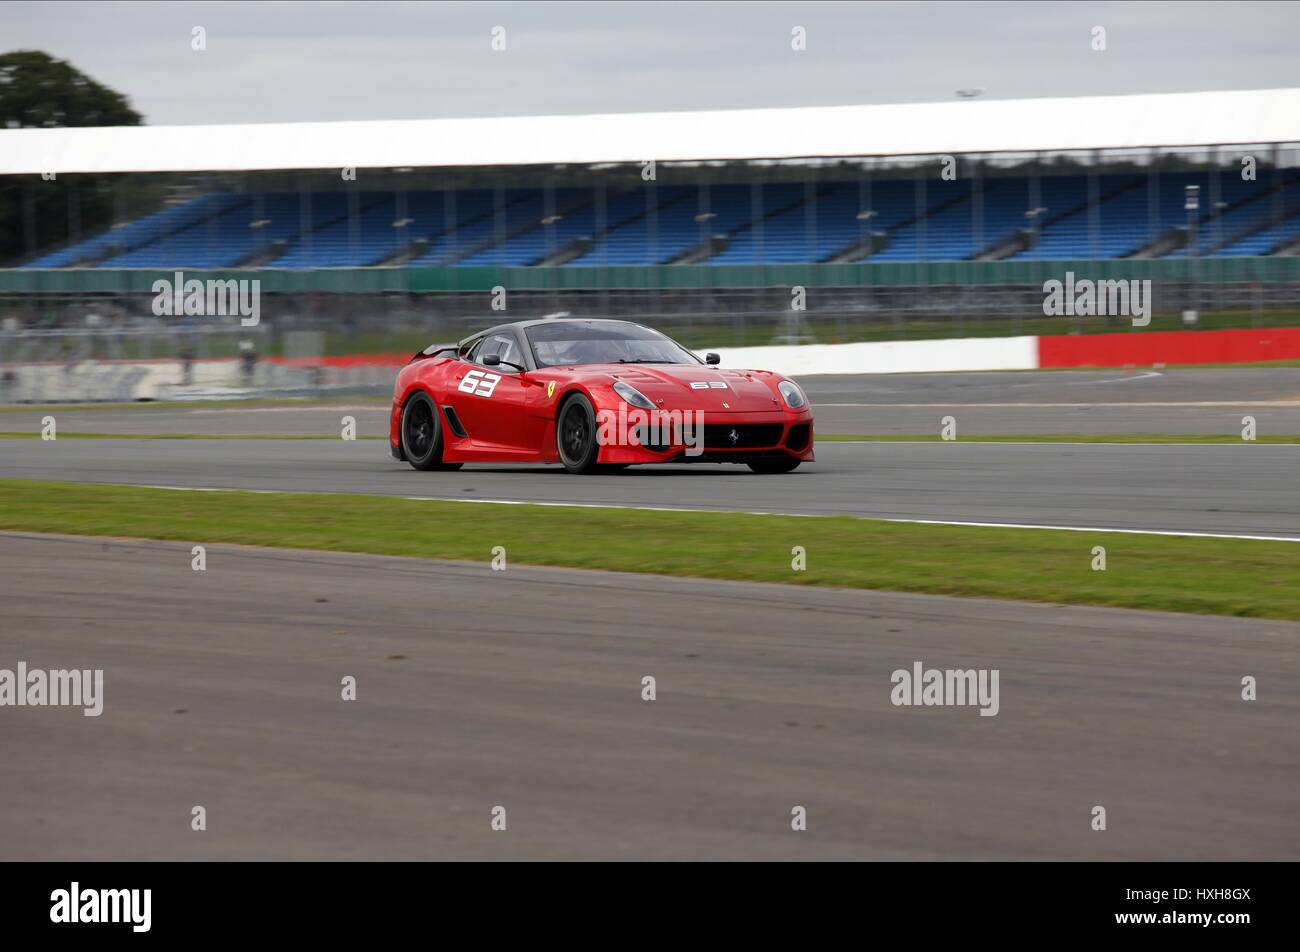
(480, 383)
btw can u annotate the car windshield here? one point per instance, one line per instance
(567, 343)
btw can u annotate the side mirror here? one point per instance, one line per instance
(494, 360)
(712, 359)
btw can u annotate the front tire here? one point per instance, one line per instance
(422, 433)
(575, 435)
(774, 465)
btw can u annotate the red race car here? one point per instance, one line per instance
(592, 395)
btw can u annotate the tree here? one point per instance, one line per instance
(38, 91)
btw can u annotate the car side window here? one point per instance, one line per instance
(472, 349)
(504, 346)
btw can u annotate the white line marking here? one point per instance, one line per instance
(1154, 532)
(1142, 376)
(319, 408)
(932, 440)
(745, 512)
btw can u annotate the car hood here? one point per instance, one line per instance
(689, 387)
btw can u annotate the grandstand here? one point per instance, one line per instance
(791, 222)
(932, 219)
(1098, 178)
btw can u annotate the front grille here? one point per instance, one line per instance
(740, 436)
(719, 456)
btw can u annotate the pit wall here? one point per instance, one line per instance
(982, 353)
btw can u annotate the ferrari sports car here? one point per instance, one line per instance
(592, 395)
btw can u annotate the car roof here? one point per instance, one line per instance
(547, 320)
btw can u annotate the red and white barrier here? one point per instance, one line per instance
(888, 357)
(1170, 347)
(1133, 348)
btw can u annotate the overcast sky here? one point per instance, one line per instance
(280, 61)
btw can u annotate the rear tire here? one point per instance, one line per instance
(422, 433)
(774, 465)
(575, 435)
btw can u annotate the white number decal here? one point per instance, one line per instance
(480, 383)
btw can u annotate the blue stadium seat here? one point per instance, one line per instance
(724, 224)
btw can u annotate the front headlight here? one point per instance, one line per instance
(632, 395)
(794, 398)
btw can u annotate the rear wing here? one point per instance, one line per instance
(433, 350)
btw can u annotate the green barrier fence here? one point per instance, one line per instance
(1275, 269)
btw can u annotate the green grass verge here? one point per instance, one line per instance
(1231, 366)
(1056, 438)
(1202, 575)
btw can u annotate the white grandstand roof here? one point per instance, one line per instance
(1026, 125)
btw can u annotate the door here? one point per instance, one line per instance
(491, 401)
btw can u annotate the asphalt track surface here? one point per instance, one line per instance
(1209, 400)
(1092, 401)
(523, 689)
(1244, 488)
